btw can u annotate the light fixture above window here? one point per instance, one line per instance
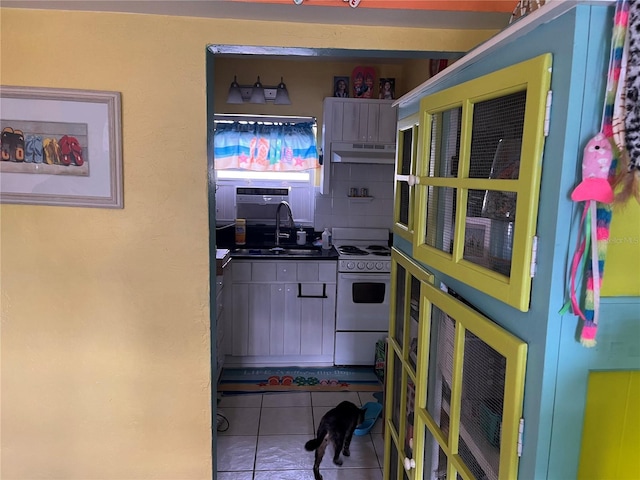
(258, 93)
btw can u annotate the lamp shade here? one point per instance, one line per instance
(257, 95)
(282, 94)
(235, 95)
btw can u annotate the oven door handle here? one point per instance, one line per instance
(365, 276)
(324, 292)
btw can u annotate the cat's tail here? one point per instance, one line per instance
(316, 442)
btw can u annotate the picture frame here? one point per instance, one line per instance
(364, 81)
(60, 147)
(387, 89)
(476, 239)
(341, 87)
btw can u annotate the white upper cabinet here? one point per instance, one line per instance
(369, 124)
(358, 120)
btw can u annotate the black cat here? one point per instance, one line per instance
(336, 426)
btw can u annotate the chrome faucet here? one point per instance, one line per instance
(291, 222)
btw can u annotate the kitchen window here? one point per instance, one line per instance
(301, 135)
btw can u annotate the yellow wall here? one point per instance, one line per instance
(611, 435)
(105, 313)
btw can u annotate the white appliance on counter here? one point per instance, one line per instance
(363, 291)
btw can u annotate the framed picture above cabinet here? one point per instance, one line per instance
(478, 179)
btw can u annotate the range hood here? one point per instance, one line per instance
(381, 153)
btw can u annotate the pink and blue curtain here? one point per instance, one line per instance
(265, 147)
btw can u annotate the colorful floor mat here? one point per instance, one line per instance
(278, 379)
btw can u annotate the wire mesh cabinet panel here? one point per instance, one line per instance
(471, 415)
(478, 179)
(454, 385)
(405, 179)
(404, 365)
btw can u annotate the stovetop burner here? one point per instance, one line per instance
(362, 250)
(351, 250)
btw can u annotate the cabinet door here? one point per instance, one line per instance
(370, 122)
(351, 121)
(456, 411)
(333, 123)
(479, 183)
(259, 323)
(406, 160)
(311, 317)
(377, 122)
(284, 308)
(405, 346)
(387, 123)
(302, 319)
(239, 326)
(284, 333)
(473, 408)
(355, 120)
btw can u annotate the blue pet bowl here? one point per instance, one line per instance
(372, 411)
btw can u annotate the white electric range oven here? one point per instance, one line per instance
(363, 291)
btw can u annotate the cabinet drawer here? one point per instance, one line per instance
(287, 272)
(263, 271)
(308, 272)
(241, 271)
(327, 272)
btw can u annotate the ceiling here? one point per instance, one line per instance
(305, 13)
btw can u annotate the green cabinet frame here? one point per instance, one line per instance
(533, 77)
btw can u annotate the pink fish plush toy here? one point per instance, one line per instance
(596, 163)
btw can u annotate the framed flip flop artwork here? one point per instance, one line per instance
(60, 147)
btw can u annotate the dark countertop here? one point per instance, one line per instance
(261, 244)
(261, 236)
(289, 252)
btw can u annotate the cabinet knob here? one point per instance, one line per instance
(413, 180)
(409, 463)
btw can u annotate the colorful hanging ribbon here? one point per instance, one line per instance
(596, 217)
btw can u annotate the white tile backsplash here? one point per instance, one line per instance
(338, 210)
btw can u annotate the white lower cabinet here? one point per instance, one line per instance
(283, 312)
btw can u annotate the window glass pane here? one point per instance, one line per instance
(488, 237)
(397, 389)
(441, 211)
(409, 414)
(483, 378)
(414, 321)
(500, 246)
(445, 143)
(404, 203)
(407, 149)
(393, 462)
(400, 289)
(440, 367)
(435, 460)
(497, 137)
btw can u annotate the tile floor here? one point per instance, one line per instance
(267, 432)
